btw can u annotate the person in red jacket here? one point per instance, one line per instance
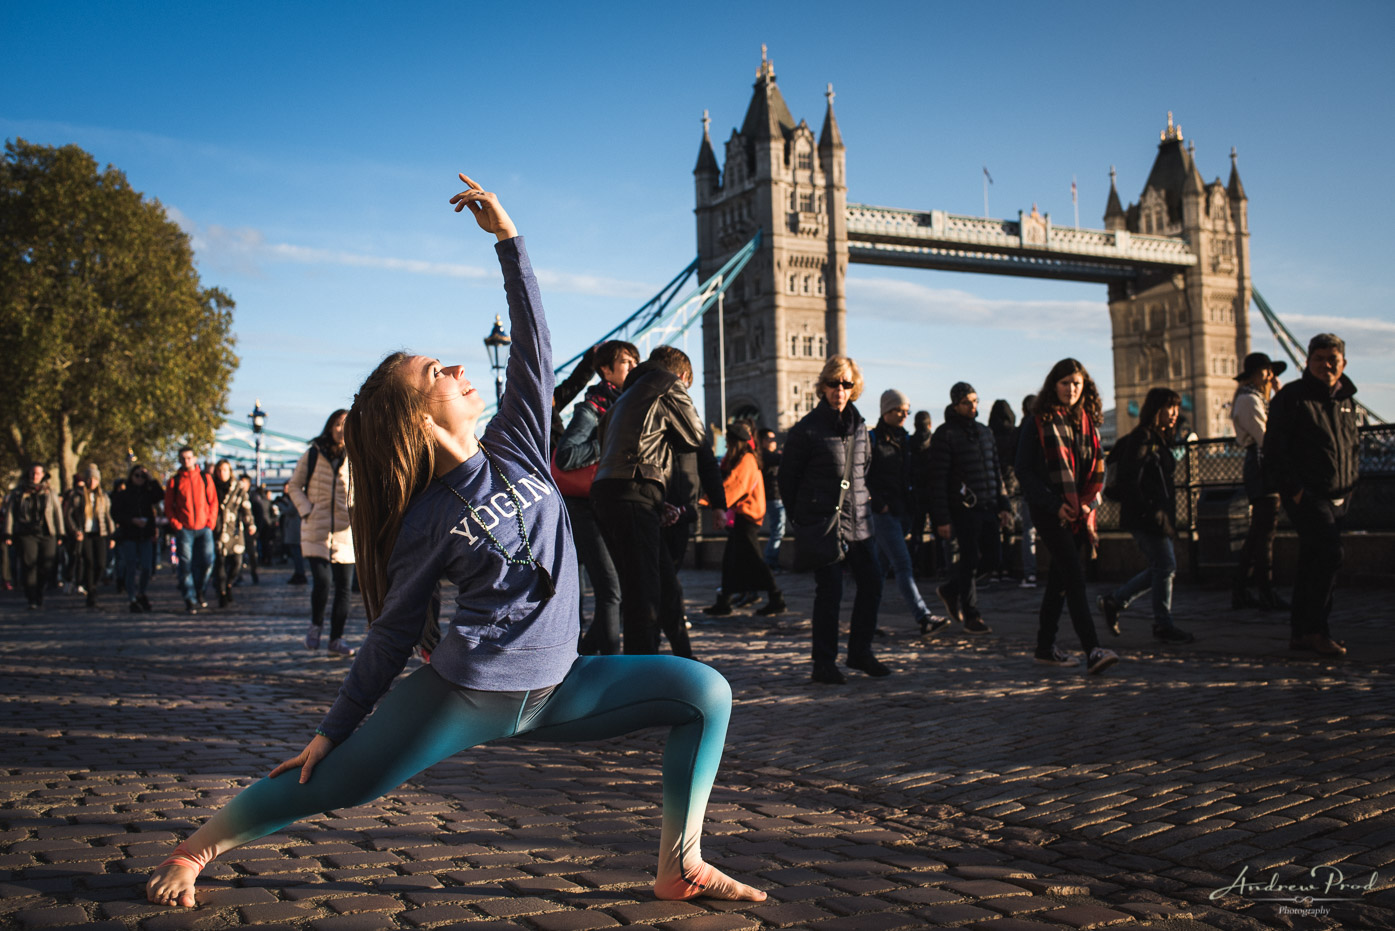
(191, 505)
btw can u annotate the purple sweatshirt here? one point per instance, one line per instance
(501, 637)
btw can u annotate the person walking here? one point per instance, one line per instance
(191, 507)
(743, 569)
(578, 452)
(774, 504)
(133, 511)
(434, 500)
(1313, 447)
(647, 427)
(823, 480)
(1002, 423)
(1143, 481)
(235, 523)
(34, 524)
(924, 543)
(1024, 513)
(967, 499)
(1061, 470)
(321, 491)
(1253, 584)
(289, 518)
(89, 521)
(889, 494)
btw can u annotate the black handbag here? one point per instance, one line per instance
(820, 543)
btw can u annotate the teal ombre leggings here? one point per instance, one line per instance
(426, 719)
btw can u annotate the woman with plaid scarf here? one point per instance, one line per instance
(1061, 471)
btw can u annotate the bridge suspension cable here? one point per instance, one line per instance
(660, 319)
(1294, 349)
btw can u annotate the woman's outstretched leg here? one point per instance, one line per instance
(421, 722)
(605, 696)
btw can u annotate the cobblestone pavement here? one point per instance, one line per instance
(970, 788)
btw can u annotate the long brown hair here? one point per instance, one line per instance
(391, 458)
(1047, 402)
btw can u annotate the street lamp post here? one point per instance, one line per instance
(497, 342)
(258, 418)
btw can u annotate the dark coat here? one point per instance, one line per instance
(812, 468)
(889, 473)
(1144, 479)
(963, 452)
(135, 501)
(651, 421)
(1312, 443)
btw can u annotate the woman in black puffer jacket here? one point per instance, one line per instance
(811, 472)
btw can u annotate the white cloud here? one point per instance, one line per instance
(245, 251)
(904, 301)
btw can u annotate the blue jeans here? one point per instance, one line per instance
(775, 526)
(891, 544)
(137, 562)
(1162, 566)
(195, 551)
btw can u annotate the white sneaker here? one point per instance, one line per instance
(340, 648)
(1029, 582)
(1100, 660)
(1057, 657)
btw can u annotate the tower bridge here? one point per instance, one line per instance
(1176, 265)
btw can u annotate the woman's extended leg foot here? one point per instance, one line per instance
(706, 881)
(172, 882)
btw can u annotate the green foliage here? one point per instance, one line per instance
(110, 339)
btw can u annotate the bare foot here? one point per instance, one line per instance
(708, 882)
(172, 883)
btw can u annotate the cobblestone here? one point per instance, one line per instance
(970, 788)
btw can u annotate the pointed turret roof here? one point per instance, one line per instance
(1235, 189)
(767, 117)
(707, 159)
(1194, 185)
(1171, 170)
(829, 136)
(1113, 208)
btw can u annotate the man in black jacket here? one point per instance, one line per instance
(647, 426)
(1311, 449)
(967, 498)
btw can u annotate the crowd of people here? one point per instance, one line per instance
(214, 526)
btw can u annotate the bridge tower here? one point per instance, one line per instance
(785, 314)
(1188, 329)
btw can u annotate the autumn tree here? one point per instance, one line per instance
(110, 341)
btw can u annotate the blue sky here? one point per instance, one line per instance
(310, 150)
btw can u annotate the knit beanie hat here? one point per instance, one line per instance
(960, 391)
(892, 399)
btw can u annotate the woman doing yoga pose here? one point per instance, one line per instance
(432, 501)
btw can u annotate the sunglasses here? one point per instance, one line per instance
(845, 385)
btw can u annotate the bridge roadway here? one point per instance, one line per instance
(1030, 247)
(971, 788)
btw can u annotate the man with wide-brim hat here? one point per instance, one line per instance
(1253, 584)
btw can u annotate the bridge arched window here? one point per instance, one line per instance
(805, 160)
(806, 284)
(794, 283)
(818, 284)
(821, 347)
(794, 344)
(809, 346)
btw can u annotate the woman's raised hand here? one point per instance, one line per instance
(491, 217)
(317, 749)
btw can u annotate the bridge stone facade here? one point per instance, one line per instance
(1176, 264)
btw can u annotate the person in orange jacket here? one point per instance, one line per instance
(191, 505)
(743, 566)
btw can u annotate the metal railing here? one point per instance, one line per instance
(1209, 484)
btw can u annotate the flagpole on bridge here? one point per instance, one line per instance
(987, 180)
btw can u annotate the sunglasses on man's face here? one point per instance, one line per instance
(845, 385)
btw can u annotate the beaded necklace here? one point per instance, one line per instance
(546, 588)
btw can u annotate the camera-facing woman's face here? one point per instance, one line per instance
(1070, 388)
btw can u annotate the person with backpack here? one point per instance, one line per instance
(320, 490)
(1140, 470)
(191, 506)
(34, 524)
